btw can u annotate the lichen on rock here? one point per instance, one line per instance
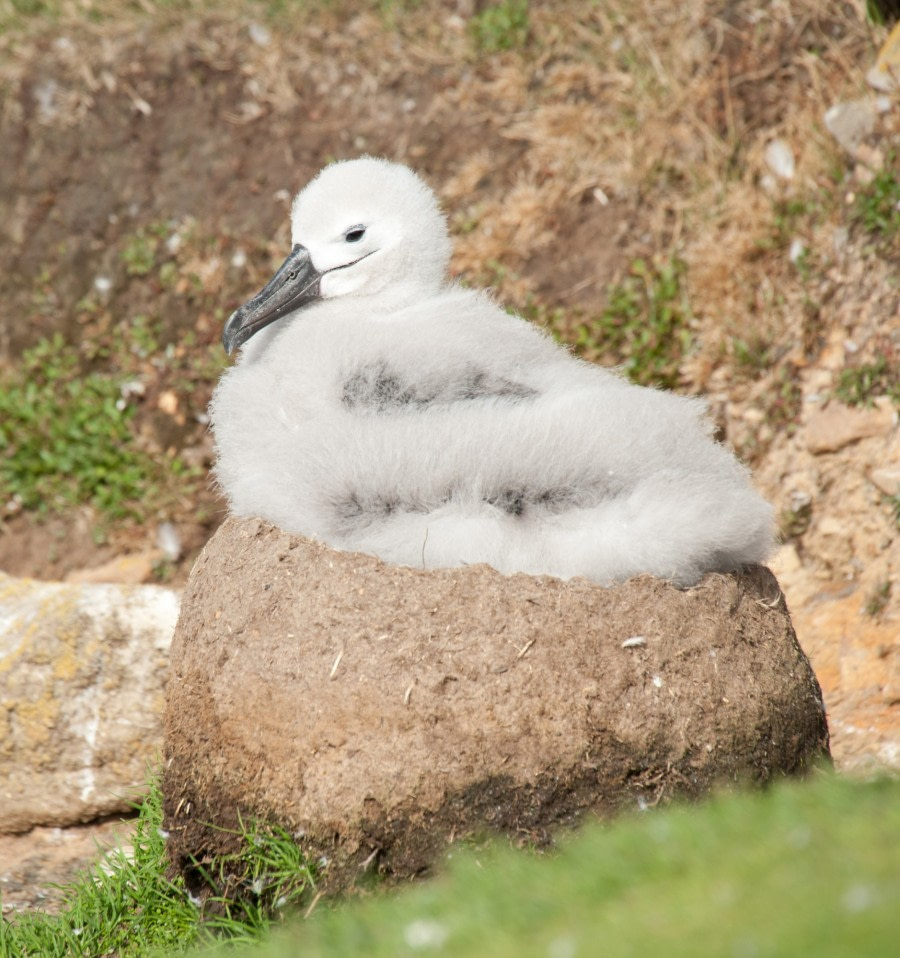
(82, 673)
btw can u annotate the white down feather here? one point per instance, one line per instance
(415, 420)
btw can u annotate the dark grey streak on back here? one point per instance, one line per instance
(377, 388)
(357, 509)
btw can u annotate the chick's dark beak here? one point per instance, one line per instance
(295, 284)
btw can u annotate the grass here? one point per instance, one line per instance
(877, 206)
(267, 879)
(644, 326)
(500, 26)
(101, 421)
(67, 433)
(803, 868)
(794, 522)
(894, 503)
(139, 254)
(878, 599)
(65, 437)
(860, 385)
(797, 865)
(126, 906)
(880, 11)
(123, 905)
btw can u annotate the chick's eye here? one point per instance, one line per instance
(355, 235)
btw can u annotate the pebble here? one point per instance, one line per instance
(167, 402)
(259, 34)
(871, 157)
(786, 561)
(886, 480)
(837, 425)
(851, 122)
(132, 569)
(780, 159)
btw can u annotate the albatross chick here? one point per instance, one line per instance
(383, 409)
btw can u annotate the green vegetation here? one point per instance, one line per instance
(755, 354)
(125, 906)
(860, 385)
(139, 255)
(501, 26)
(65, 437)
(881, 12)
(804, 868)
(878, 599)
(257, 885)
(67, 429)
(794, 522)
(28, 8)
(789, 214)
(894, 502)
(793, 219)
(784, 400)
(877, 206)
(103, 420)
(644, 325)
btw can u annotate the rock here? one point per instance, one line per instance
(35, 865)
(83, 669)
(382, 711)
(886, 480)
(871, 157)
(797, 250)
(851, 122)
(131, 569)
(832, 526)
(787, 560)
(780, 159)
(857, 660)
(837, 425)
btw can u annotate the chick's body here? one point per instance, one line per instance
(401, 416)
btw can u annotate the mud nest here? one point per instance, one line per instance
(382, 712)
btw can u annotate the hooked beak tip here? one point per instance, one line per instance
(231, 334)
